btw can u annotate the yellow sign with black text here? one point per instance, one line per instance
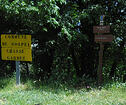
(12, 40)
(17, 54)
(16, 47)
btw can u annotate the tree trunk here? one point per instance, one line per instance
(112, 72)
(27, 69)
(118, 56)
(76, 66)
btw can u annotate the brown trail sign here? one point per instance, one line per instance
(101, 29)
(103, 38)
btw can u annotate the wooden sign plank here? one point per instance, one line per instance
(101, 29)
(104, 38)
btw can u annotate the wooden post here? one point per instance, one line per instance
(100, 37)
(100, 78)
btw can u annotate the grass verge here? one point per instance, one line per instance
(34, 93)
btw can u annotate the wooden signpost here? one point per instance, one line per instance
(16, 48)
(100, 37)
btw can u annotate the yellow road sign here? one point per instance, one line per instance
(16, 47)
(17, 54)
(12, 40)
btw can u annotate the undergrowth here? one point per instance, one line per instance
(32, 92)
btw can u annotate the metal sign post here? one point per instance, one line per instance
(17, 72)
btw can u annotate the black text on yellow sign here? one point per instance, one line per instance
(12, 40)
(16, 47)
(17, 54)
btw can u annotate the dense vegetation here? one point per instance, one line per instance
(63, 40)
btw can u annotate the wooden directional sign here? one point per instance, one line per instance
(16, 47)
(101, 29)
(103, 38)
